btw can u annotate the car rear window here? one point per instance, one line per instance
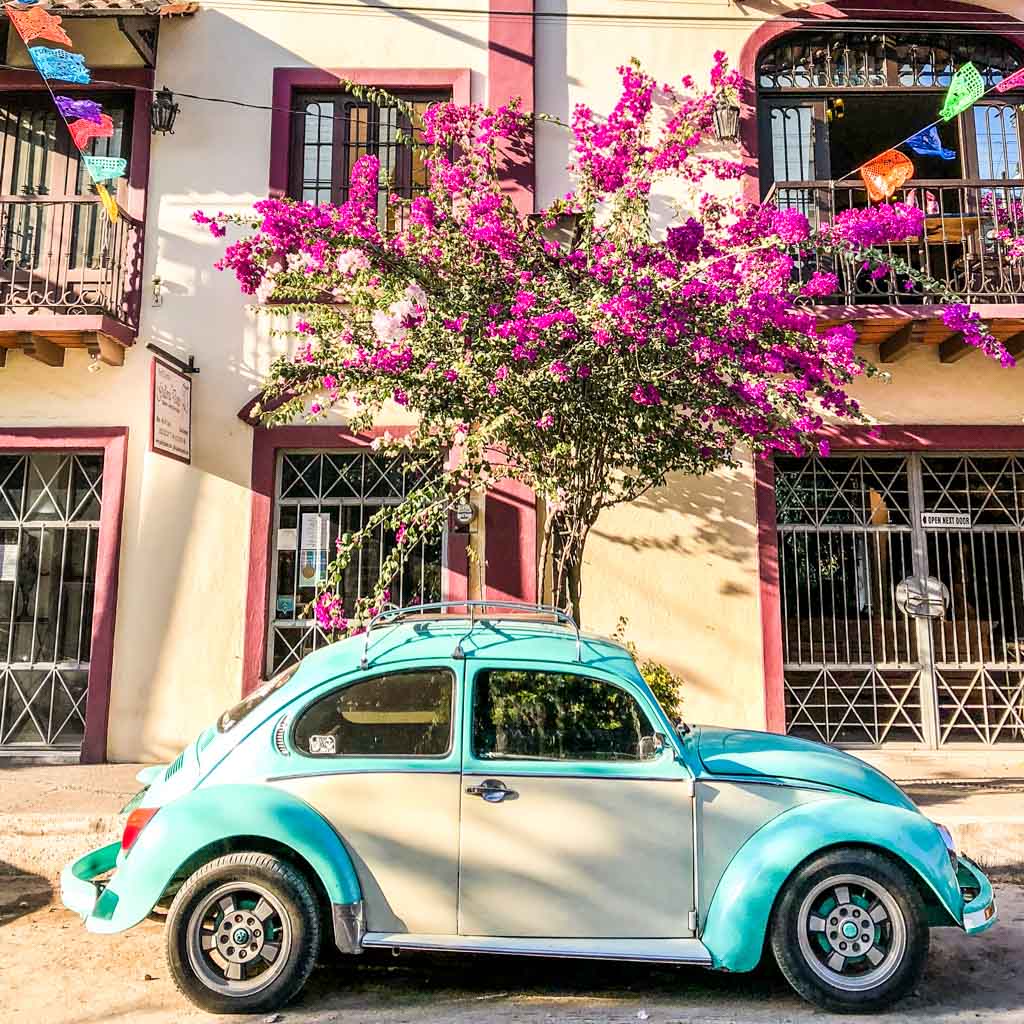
(237, 712)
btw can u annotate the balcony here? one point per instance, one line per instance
(960, 246)
(69, 278)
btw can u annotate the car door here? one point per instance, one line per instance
(576, 822)
(379, 759)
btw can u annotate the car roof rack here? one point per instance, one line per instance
(475, 611)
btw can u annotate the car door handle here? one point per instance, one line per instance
(493, 791)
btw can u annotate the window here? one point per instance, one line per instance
(319, 496)
(49, 530)
(406, 714)
(557, 716)
(39, 163)
(338, 129)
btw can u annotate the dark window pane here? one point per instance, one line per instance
(12, 483)
(408, 714)
(338, 129)
(556, 716)
(86, 487)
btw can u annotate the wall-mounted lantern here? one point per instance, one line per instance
(727, 120)
(163, 112)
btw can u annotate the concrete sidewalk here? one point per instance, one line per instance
(48, 815)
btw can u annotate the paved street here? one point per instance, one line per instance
(53, 972)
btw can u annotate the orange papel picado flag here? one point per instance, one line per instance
(36, 23)
(885, 174)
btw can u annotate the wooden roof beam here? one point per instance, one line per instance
(105, 349)
(1014, 344)
(954, 348)
(35, 346)
(898, 343)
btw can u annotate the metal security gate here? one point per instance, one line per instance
(320, 495)
(49, 528)
(857, 670)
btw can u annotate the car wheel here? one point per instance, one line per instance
(849, 931)
(243, 934)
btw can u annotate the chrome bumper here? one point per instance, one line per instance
(980, 913)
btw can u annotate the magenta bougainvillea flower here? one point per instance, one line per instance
(579, 351)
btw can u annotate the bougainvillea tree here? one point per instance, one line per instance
(577, 351)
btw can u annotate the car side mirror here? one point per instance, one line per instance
(652, 746)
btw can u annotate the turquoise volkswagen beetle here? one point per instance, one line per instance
(494, 782)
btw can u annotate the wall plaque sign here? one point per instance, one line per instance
(171, 424)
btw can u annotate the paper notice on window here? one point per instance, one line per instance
(316, 530)
(8, 563)
(315, 534)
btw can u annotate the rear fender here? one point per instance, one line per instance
(215, 814)
(737, 919)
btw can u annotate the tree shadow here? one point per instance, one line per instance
(715, 513)
(21, 893)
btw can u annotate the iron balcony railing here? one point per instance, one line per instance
(64, 256)
(963, 243)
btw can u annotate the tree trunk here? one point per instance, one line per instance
(567, 541)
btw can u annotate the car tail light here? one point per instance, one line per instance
(137, 821)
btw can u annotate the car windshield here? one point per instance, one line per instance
(235, 714)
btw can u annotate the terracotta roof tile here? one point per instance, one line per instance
(99, 8)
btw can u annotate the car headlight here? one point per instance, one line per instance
(947, 838)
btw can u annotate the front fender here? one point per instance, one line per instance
(737, 919)
(209, 815)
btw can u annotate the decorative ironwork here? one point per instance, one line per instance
(960, 245)
(873, 60)
(347, 487)
(857, 669)
(67, 257)
(49, 527)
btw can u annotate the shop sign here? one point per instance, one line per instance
(171, 433)
(946, 520)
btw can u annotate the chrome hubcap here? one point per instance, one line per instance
(238, 939)
(851, 932)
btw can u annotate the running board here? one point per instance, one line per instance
(663, 951)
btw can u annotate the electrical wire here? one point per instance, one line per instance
(814, 22)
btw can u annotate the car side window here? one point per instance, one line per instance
(557, 716)
(401, 714)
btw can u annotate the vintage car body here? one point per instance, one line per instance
(681, 855)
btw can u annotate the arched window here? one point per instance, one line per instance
(830, 100)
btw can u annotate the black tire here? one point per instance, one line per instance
(882, 903)
(252, 882)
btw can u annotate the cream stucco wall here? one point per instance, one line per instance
(681, 563)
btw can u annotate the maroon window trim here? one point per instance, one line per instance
(113, 443)
(820, 16)
(843, 439)
(510, 75)
(267, 442)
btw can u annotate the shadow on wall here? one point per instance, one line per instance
(717, 510)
